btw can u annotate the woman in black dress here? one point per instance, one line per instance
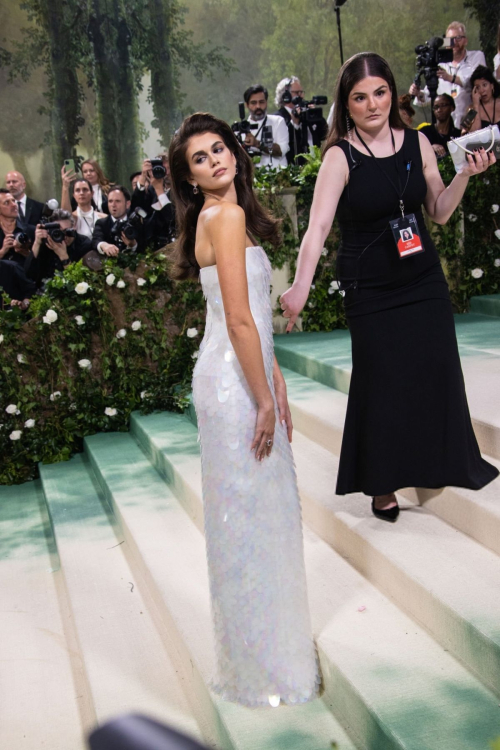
(407, 422)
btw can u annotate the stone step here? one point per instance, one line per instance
(326, 358)
(441, 577)
(41, 674)
(318, 412)
(170, 552)
(488, 304)
(127, 665)
(384, 675)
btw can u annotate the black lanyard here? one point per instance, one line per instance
(258, 131)
(490, 120)
(401, 191)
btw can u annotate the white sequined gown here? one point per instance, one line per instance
(253, 529)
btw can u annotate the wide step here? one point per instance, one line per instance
(126, 663)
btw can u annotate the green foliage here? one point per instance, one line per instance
(44, 366)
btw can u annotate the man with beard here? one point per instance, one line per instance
(256, 101)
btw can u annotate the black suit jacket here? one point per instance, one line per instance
(33, 212)
(47, 263)
(103, 233)
(12, 254)
(298, 138)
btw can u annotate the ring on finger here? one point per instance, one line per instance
(269, 442)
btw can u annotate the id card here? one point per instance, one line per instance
(406, 235)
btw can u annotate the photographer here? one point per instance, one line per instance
(56, 245)
(256, 100)
(15, 239)
(444, 130)
(300, 134)
(454, 77)
(152, 194)
(109, 236)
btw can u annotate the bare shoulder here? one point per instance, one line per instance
(224, 216)
(335, 164)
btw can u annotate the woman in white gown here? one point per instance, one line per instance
(253, 530)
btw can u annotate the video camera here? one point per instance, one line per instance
(242, 127)
(130, 227)
(429, 56)
(302, 108)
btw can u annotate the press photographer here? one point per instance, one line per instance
(269, 139)
(454, 75)
(306, 124)
(119, 231)
(152, 194)
(15, 239)
(56, 245)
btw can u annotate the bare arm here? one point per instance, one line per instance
(67, 178)
(332, 179)
(441, 202)
(227, 231)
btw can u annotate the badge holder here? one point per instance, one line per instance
(406, 234)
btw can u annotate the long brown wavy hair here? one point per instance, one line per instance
(189, 204)
(352, 71)
(104, 183)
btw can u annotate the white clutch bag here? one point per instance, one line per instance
(487, 138)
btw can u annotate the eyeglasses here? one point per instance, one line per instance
(458, 37)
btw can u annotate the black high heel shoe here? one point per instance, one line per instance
(391, 514)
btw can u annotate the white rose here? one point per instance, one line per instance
(80, 320)
(55, 395)
(121, 333)
(472, 217)
(21, 359)
(110, 412)
(15, 434)
(11, 409)
(136, 325)
(313, 287)
(110, 279)
(85, 364)
(82, 287)
(120, 284)
(50, 317)
(1, 338)
(141, 282)
(494, 208)
(496, 263)
(324, 252)
(477, 273)
(497, 234)
(29, 423)
(195, 355)
(486, 181)
(191, 333)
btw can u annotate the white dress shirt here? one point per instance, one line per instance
(85, 221)
(280, 136)
(461, 94)
(97, 196)
(496, 65)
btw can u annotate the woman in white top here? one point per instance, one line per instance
(85, 213)
(92, 172)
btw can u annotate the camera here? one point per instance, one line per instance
(307, 115)
(55, 232)
(157, 169)
(129, 226)
(429, 56)
(22, 238)
(242, 127)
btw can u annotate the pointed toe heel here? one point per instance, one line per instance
(391, 514)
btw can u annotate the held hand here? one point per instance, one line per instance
(292, 303)
(285, 416)
(251, 140)
(414, 90)
(8, 243)
(109, 249)
(67, 177)
(59, 248)
(146, 172)
(476, 98)
(444, 75)
(264, 431)
(439, 150)
(21, 249)
(478, 163)
(127, 241)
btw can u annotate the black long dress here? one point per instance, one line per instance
(407, 422)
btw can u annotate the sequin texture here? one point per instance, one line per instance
(253, 527)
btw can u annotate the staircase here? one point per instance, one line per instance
(105, 590)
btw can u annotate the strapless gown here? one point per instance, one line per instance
(253, 526)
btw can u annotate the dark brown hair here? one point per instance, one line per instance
(485, 73)
(189, 204)
(104, 183)
(405, 104)
(355, 69)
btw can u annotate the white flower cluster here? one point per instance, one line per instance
(497, 234)
(12, 409)
(50, 317)
(334, 287)
(191, 333)
(136, 325)
(141, 282)
(121, 333)
(110, 279)
(494, 208)
(80, 320)
(85, 364)
(82, 287)
(120, 284)
(476, 273)
(110, 411)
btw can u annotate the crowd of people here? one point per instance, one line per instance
(99, 217)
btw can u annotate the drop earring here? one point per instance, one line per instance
(236, 171)
(348, 123)
(195, 189)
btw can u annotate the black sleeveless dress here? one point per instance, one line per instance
(407, 422)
